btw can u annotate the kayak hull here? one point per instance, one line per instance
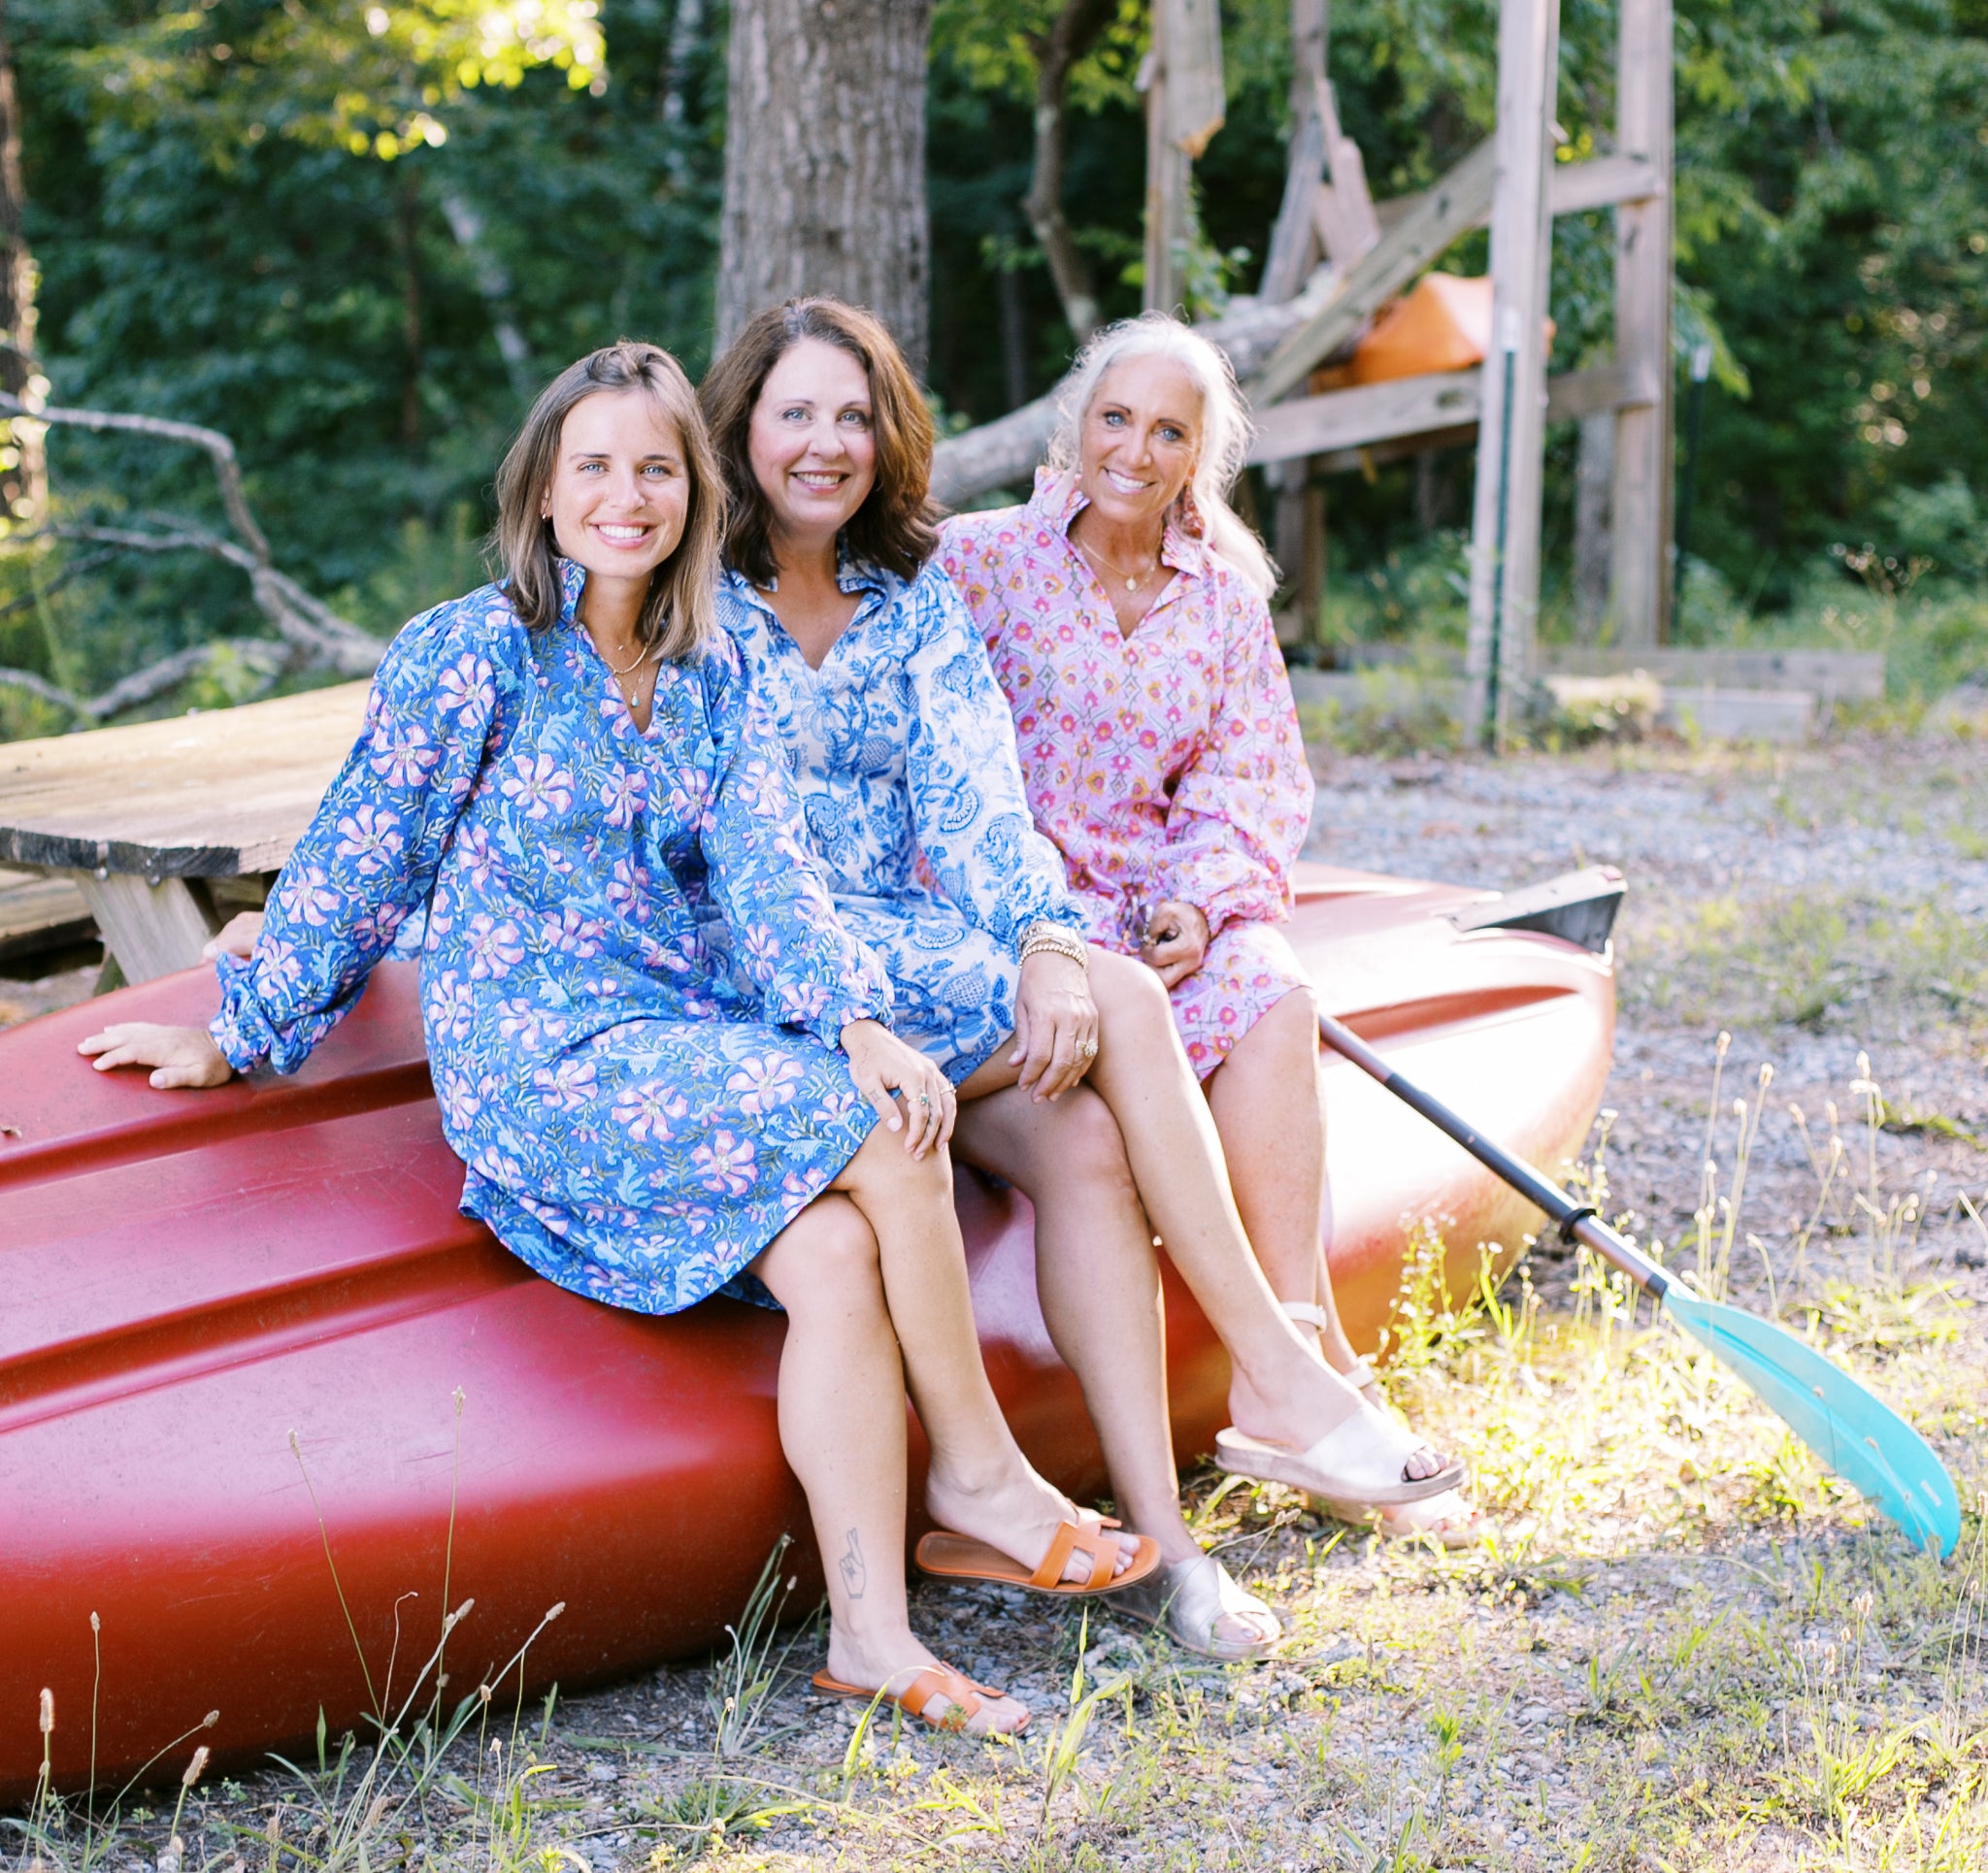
(258, 1376)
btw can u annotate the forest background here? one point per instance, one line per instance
(355, 237)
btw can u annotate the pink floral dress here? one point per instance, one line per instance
(1166, 764)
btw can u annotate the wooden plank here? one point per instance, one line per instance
(1356, 230)
(1192, 32)
(1293, 241)
(1413, 243)
(211, 795)
(1504, 531)
(1443, 399)
(40, 913)
(152, 929)
(1640, 543)
(1603, 181)
(1166, 181)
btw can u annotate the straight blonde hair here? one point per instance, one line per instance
(680, 618)
(1224, 427)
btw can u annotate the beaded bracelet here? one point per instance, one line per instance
(1044, 936)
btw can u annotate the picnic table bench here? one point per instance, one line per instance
(167, 828)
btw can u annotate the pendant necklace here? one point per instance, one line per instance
(1132, 584)
(641, 657)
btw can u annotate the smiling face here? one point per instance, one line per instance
(620, 493)
(812, 443)
(1140, 441)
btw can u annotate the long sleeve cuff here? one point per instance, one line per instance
(241, 1029)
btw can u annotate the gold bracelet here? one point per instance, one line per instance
(1044, 936)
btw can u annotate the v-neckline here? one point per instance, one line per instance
(643, 731)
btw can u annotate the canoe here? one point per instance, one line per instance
(238, 1325)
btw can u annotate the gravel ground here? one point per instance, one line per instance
(1685, 1648)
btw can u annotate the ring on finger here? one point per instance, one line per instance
(1089, 1049)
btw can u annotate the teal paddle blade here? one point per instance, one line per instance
(1854, 1433)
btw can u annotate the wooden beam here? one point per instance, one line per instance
(1184, 106)
(1602, 181)
(1504, 531)
(1640, 541)
(1293, 241)
(1443, 399)
(152, 929)
(1348, 229)
(1454, 205)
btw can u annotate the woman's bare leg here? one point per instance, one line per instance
(979, 1482)
(1098, 1278)
(1282, 1390)
(1273, 1139)
(842, 1416)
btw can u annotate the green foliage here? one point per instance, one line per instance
(211, 249)
(307, 225)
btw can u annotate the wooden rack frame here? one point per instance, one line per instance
(1514, 182)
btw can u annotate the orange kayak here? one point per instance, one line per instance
(237, 1325)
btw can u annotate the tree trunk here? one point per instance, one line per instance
(825, 161)
(25, 491)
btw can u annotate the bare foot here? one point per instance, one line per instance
(1019, 1517)
(891, 1664)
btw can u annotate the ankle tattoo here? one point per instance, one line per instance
(855, 1576)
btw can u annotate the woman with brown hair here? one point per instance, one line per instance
(905, 758)
(660, 1057)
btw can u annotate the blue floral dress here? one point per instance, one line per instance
(632, 980)
(903, 747)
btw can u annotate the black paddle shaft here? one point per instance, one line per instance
(1577, 1222)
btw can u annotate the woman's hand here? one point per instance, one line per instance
(235, 937)
(1176, 940)
(1055, 1025)
(180, 1056)
(882, 1065)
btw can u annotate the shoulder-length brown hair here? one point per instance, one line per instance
(680, 617)
(897, 525)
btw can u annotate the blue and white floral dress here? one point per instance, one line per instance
(903, 747)
(632, 981)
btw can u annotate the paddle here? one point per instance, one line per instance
(1855, 1434)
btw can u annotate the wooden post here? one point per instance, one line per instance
(1183, 110)
(1639, 550)
(1505, 547)
(1298, 535)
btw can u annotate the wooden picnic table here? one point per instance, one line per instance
(165, 827)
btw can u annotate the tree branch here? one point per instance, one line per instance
(268, 660)
(307, 622)
(1003, 453)
(227, 470)
(1074, 32)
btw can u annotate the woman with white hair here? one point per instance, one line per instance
(1125, 607)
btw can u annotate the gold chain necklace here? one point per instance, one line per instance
(1131, 584)
(641, 657)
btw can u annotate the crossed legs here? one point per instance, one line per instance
(874, 1282)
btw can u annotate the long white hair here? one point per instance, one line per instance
(1224, 426)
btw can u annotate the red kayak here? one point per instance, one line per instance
(229, 1313)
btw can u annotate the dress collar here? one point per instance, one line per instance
(851, 575)
(1059, 499)
(572, 576)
